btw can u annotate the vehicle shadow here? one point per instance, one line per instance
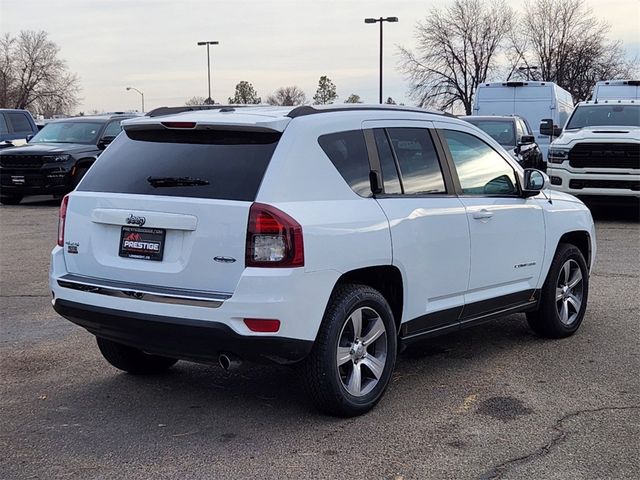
(207, 400)
(628, 213)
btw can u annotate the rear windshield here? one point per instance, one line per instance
(605, 115)
(214, 164)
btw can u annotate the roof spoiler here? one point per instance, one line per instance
(162, 111)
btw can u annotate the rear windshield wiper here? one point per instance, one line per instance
(156, 182)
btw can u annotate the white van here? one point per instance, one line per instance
(532, 100)
(616, 90)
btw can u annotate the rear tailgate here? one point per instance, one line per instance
(168, 208)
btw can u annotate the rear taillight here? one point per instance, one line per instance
(274, 239)
(61, 218)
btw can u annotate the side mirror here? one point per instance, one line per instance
(29, 137)
(548, 128)
(104, 141)
(534, 182)
(527, 139)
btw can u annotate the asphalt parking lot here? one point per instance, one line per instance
(490, 402)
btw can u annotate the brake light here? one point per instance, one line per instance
(179, 124)
(262, 324)
(61, 219)
(274, 239)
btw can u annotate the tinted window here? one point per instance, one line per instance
(418, 161)
(112, 129)
(387, 163)
(20, 122)
(348, 153)
(227, 165)
(68, 132)
(3, 124)
(481, 170)
(605, 115)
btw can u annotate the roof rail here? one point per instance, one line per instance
(305, 110)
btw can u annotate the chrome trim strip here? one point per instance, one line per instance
(148, 293)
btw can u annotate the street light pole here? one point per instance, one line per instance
(376, 20)
(209, 100)
(141, 94)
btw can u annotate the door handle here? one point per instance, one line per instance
(483, 214)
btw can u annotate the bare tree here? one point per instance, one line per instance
(457, 48)
(32, 75)
(193, 101)
(568, 45)
(245, 94)
(287, 96)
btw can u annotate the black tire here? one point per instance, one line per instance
(77, 176)
(11, 199)
(324, 379)
(132, 360)
(547, 321)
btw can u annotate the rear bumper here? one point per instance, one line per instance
(196, 340)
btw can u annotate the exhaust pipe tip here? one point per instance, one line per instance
(229, 362)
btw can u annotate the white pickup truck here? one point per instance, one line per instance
(598, 151)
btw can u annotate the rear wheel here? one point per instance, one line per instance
(351, 363)
(563, 299)
(133, 360)
(10, 199)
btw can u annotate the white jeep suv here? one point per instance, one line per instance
(325, 237)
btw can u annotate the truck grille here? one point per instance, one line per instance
(21, 161)
(621, 184)
(605, 155)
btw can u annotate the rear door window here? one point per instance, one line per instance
(348, 153)
(418, 161)
(223, 165)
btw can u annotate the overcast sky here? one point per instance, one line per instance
(151, 44)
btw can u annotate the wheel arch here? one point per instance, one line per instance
(84, 162)
(582, 240)
(387, 279)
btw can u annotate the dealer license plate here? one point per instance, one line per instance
(142, 243)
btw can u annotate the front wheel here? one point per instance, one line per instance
(351, 363)
(563, 299)
(132, 360)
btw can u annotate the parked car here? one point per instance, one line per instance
(15, 127)
(532, 101)
(515, 135)
(598, 152)
(616, 90)
(323, 237)
(55, 158)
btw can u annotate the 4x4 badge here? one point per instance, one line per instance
(133, 220)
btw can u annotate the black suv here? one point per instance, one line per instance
(56, 158)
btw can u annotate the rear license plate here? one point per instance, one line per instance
(142, 243)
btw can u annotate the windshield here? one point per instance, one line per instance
(604, 116)
(68, 132)
(500, 130)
